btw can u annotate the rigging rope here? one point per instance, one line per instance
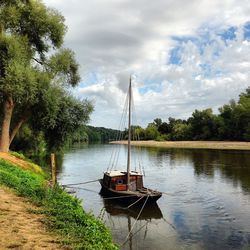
(136, 137)
(115, 153)
(136, 158)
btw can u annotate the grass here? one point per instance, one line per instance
(18, 155)
(65, 215)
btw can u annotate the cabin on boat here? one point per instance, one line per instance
(117, 180)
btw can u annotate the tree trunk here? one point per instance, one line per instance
(17, 127)
(8, 107)
(23, 119)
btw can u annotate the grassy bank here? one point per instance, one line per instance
(64, 213)
(191, 144)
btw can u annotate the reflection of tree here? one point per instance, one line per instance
(233, 165)
(211, 234)
(204, 162)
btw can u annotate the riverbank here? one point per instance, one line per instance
(64, 222)
(191, 144)
(22, 229)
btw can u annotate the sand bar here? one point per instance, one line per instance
(227, 145)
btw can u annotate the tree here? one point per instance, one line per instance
(204, 125)
(235, 118)
(151, 133)
(158, 122)
(72, 114)
(29, 31)
(164, 128)
(181, 131)
(228, 125)
(140, 133)
(242, 115)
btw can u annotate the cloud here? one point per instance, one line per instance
(184, 55)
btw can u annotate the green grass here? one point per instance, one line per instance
(19, 155)
(65, 215)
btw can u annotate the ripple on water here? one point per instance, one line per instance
(208, 199)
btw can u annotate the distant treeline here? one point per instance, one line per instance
(232, 123)
(94, 134)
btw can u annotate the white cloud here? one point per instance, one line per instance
(116, 38)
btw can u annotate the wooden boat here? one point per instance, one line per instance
(127, 186)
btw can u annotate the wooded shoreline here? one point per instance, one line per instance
(223, 145)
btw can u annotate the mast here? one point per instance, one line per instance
(129, 133)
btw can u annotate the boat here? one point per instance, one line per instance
(127, 185)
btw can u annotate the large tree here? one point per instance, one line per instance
(29, 71)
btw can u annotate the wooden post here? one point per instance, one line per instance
(53, 169)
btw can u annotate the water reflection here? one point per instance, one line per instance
(149, 212)
(232, 164)
(207, 206)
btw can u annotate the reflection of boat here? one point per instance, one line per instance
(128, 185)
(151, 211)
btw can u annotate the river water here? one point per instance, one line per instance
(205, 205)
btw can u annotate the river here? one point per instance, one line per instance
(205, 205)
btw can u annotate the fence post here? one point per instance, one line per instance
(53, 169)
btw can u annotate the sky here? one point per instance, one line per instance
(182, 55)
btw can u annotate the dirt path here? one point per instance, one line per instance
(20, 229)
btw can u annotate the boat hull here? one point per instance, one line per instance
(129, 197)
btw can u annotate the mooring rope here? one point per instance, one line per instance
(145, 225)
(173, 194)
(135, 202)
(135, 221)
(81, 188)
(80, 183)
(170, 224)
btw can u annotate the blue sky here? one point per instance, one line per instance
(183, 55)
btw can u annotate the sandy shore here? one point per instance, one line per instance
(191, 144)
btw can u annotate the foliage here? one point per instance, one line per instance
(232, 123)
(140, 132)
(151, 132)
(34, 72)
(65, 215)
(203, 125)
(71, 114)
(228, 127)
(94, 134)
(181, 131)
(29, 141)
